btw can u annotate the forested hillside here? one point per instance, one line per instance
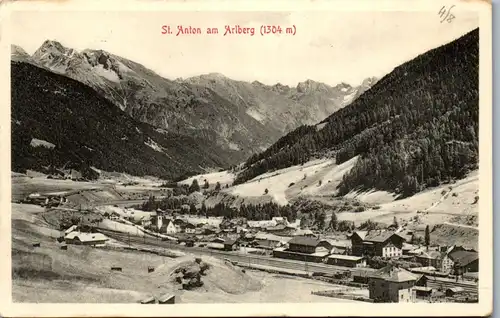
(415, 128)
(59, 122)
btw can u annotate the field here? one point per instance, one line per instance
(223, 177)
(305, 181)
(23, 185)
(439, 204)
(83, 274)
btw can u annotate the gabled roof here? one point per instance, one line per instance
(271, 237)
(86, 237)
(278, 227)
(71, 229)
(430, 255)
(380, 236)
(230, 241)
(361, 234)
(464, 258)
(456, 289)
(395, 274)
(166, 222)
(304, 240)
(89, 237)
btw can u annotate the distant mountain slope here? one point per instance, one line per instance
(281, 106)
(150, 98)
(242, 118)
(416, 127)
(20, 55)
(57, 121)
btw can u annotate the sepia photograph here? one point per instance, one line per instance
(249, 156)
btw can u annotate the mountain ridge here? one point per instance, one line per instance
(241, 117)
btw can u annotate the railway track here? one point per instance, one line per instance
(148, 241)
(141, 241)
(445, 284)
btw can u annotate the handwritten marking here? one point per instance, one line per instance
(448, 16)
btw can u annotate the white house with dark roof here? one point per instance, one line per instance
(392, 284)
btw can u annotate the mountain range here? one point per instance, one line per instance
(240, 117)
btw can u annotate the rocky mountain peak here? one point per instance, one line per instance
(17, 53)
(280, 88)
(310, 86)
(343, 86)
(50, 46)
(370, 81)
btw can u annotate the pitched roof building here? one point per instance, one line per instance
(392, 284)
(464, 261)
(377, 243)
(305, 244)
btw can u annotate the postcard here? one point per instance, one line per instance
(243, 158)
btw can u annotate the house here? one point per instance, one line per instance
(189, 228)
(377, 243)
(145, 221)
(392, 284)
(277, 240)
(178, 221)
(306, 249)
(361, 275)
(81, 238)
(114, 216)
(430, 258)
(458, 260)
(218, 240)
(299, 232)
(450, 292)
(346, 260)
(423, 292)
(307, 245)
(75, 175)
(408, 248)
(464, 261)
(209, 230)
(230, 245)
(167, 227)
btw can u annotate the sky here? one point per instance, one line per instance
(329, 47)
